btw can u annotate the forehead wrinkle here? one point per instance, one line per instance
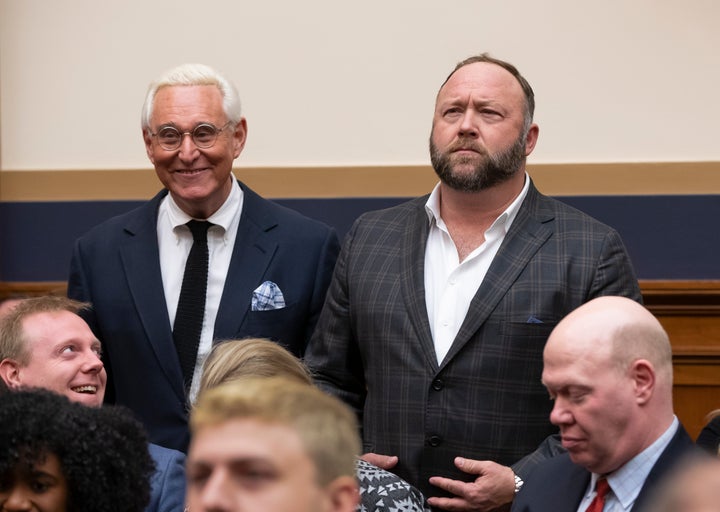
(491, 81)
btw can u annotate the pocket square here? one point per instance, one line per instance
(534, 320)
(267, 297)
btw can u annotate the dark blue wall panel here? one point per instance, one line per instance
(668, 237)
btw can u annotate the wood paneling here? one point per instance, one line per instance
(554, 179)
(689, 311)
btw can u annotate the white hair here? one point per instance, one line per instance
(194, 74)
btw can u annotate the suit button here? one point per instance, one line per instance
(438, 384)
(434, 441)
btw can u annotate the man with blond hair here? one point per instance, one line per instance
(271, 444)
(45, 344)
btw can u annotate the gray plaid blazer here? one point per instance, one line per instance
(372, 346)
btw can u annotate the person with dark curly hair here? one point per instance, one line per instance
(57, 456)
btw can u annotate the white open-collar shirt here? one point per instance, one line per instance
(175, 241)
(450, 284)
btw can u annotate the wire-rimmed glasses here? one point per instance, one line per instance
(203, 135)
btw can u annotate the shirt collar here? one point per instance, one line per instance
(504, 220)
(222, 217)
(627, 481)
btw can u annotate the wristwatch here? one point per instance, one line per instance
(518, 484)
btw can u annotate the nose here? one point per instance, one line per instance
(17, 500)
(468, 126)
(188, 150)
(560, 414)
(216, 494)
(93, 363)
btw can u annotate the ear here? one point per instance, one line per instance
(10, 373)
(148, 145)
(239, 137)
(343, 494)
(531, 138)
(642, 374)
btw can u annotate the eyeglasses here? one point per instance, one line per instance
(203, 135)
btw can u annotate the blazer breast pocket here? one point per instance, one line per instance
(539, 331)
(286, 325)
(520, 352)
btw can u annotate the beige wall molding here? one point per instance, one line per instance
(583, 179)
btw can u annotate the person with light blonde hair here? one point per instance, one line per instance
(234, 360)
(271, 444)
(251, 357)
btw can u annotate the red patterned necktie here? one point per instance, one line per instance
(598, 503)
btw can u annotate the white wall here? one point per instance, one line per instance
(332, 82)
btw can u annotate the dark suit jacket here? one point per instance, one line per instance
(558, 485)
(373, 346)
(168, 482)
(116, 267)
(709, 437)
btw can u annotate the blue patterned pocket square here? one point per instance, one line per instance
(267, 297)
(533, 320)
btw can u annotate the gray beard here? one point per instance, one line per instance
(491, 170)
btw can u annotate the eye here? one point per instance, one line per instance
(197, 476)
(490, 113)
(67, 349)
(168, 135)
(204, 133)
(577, 397)
(452, 112)
(255, 478)
(40, 486)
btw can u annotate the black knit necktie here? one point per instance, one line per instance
(191, 306)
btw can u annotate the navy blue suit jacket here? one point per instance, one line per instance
(558, 485)
(116, 267)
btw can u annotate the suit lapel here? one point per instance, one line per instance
(141, 262)
(412, 276)
(529, 231)
(252, 254)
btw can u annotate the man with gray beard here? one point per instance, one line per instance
(435, 321)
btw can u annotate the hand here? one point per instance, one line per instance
(385, 462)
(493, 487)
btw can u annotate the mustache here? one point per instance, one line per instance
(466, 145)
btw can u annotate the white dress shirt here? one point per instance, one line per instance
(175, 241)
(449, 284)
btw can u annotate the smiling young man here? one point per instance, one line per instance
(263, 269)
(45, 344)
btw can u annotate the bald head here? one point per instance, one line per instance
(616, 329)
(608, 367)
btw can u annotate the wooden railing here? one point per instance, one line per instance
(689, 311)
